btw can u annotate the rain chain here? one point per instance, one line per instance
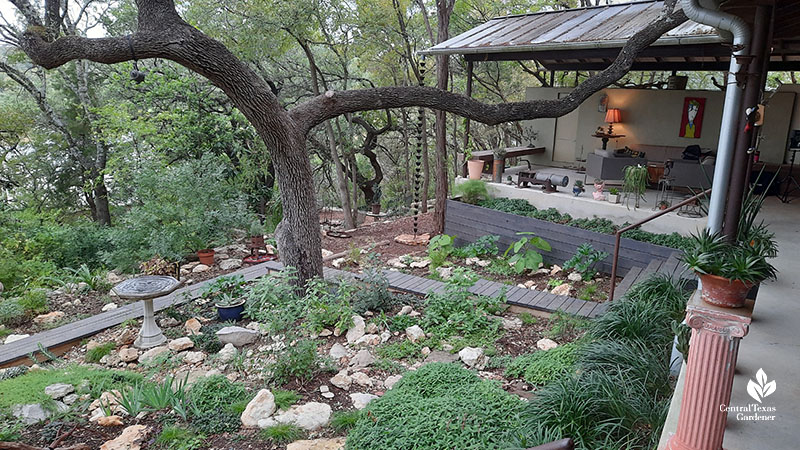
(416, 205)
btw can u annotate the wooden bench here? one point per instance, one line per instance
(511, 152)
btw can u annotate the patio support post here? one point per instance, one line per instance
(466, 123)
(713, 349)
(757, 73)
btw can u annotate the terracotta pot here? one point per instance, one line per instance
(723, 292)
(206, 256)
(376, 208)
(475, 168)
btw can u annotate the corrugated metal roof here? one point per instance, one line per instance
(608, 26)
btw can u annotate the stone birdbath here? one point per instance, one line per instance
(147, 288)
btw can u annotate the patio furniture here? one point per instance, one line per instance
(610, 167)
(147, 288)
(510, 152)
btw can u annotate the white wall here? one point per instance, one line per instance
(653, 117)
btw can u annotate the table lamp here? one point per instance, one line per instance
(613, 115)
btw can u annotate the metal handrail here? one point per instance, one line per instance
(619, 232)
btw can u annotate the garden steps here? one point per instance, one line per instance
(59, 340)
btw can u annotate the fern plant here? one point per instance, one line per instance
(634, 184)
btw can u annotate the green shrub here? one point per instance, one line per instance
(404, 349)
(299, 361)
(274, 300)
(438, 406)
(439, 248)
(34, 301)
(11, 312)
(525, 257)
(342, 421)
(213, 402)
(472, 191)
(207, 340)
(484, 246)
(282, 433)
(284, 399)
(96, 354)
(564, 325)
(373, 293)
(541, 367)
(584, 261)
(173, 437)
(328, 305)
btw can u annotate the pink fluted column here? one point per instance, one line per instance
(714, 346)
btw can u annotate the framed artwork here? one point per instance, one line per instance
(692, 119)
(602, 105)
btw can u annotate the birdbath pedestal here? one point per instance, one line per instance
(147, 288)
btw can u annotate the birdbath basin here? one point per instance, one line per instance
(147, 288)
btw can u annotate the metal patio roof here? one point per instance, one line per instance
(608, 26)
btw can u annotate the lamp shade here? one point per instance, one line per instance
(613, 115)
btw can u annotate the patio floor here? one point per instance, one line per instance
(773, 343)
(585, 206)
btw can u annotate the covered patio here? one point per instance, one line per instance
(747, 129)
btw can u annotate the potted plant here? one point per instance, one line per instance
(634, 183)
(256, 234)
(663, 204)
(613, 195)
(729, 268)
(577, 188)
(474, 167)
(376, 200)
(229, 307)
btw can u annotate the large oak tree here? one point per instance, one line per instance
(162, 33)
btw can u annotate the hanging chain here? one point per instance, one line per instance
(417, 204)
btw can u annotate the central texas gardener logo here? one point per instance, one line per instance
(761, 387)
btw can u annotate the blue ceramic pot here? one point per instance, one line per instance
(228, 313)
(576, 190)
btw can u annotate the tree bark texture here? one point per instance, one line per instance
(444, 9)
(162, 33)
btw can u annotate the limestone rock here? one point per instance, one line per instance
(259, 408)
(230, 264)
(358, 329)
(180, 344)
(405, 310)
(369, 339)
(338, 351)
(362, 359)
(15, 337)
(362, 379)
(227, 353)
(152, 353)
(529, 284)
(385, 336)
(415, 333)
(194, 357)
(318, 444)
(131, 438)
(473, 357)
(421, 264)
(562, 289)
(360, 400)
(310, 416)
(555, 269)
(391, 381)
(546, 344)
(125, 337)
(200, 268)
(168, 322)
(514, 323)
(325, 332)
(574, 276)
(30, 414)
(342, 381)
(444, 272)
(193, 326)
(237, 336)
(114, 278)
(49, 318)
(110, 421)
(397, 263)
(70, 399)
(373, 328)
(59, 390)
(109, 307)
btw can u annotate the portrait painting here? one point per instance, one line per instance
(692, 120)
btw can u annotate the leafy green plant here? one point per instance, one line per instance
(160, 396)
(373, 293)
(484, 246)
(213, 401)
(439, 248)
(274, 300)
(589, 292)
(282, 433)
(401, 350)
(528, 318)
(328, 305)
(525, 257)
(284, 399)
(207, 340)
(564, 324)
(472, 191)
(438, 406)
(11, 312)
(342, 421)
(634, 183)
(96, 354)
(541, 367)
(584, 261)
(613, 191)
(256, 228)
(553, 282)
(231, 286)
(174, 437)
(132, 400)
(299, 361)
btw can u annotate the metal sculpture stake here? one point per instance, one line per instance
(416, 205)
(146, 289)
